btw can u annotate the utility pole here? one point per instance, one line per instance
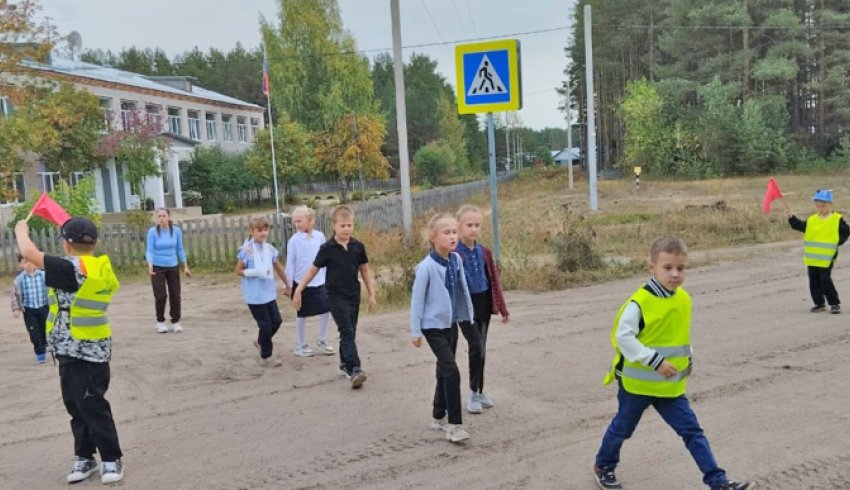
(591, 116)
(401, 125)
(569, 137)
(507, 141)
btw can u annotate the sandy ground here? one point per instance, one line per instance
(196, 411)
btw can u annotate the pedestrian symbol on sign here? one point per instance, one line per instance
(487, 80)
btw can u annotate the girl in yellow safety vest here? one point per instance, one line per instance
(824, 232)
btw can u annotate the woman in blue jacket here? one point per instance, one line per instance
(164, 254)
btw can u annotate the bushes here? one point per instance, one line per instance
(77, 201)
(220, 180)
(433, 162)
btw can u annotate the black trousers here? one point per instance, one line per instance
(443, 343)
(269, 321)
(84, 386)
(472, 334)
(821, 286)
(35, 320)
(166, 286)
(345, 313)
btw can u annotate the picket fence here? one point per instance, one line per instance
(216, 241)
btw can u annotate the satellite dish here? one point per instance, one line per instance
(75, 43)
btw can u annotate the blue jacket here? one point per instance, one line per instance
(165, 249)
(430, 304)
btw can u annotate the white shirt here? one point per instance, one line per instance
(301, 250)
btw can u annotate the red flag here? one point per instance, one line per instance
(266, 89)
(772, 193)
(50, 210)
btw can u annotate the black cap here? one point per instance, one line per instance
(79, 230)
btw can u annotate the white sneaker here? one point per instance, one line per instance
(474, 405)
(485, 400)
(83, 468)
(176, 327)
(111, 471)
(304, 351)
(438, 424)
(324, 348)
(455, 433)
(161, 328)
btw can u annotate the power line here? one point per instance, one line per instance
(459, 18)
(471, 17)
(724, 27)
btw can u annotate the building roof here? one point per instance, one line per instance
(564, 154)
(130, 79)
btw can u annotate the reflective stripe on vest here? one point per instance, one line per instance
(820, 241)
(91, 304)
(666, 331)
(94, 321)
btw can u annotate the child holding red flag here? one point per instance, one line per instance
(50, 210)
(824, 232)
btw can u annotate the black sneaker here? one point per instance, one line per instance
(606, 478)
(735, 485)
(357, 377)
(82, 470)
(817, 308)
(835, 309)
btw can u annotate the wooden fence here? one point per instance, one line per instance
(215, 242)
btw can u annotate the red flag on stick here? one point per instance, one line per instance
(772, 193)
(50, 210)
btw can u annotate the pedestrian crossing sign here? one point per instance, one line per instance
(488, 77)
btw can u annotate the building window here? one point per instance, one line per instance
(106, 109)
(227, 126)
(242, 129)
(153, 113)
(76, 177)
(194, 125)
(5, 106)
(128, 114)
(49, 180)
(255, 128)
(211, 130)
(14, 190)
(174, 125)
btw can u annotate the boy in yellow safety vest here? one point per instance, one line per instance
(80, 338)
(824, 232)
(651, 337)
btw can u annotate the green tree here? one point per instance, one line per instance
(647, 138)
(452, 133)
(67, 126)
(433, 163)
(544, 154)
(140, 149)
(293, 154)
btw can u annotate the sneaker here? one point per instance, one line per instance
(455, 433)
(817, 308)
(835, 309)
(176, 327)
(325, 348)
(474, 405)
(161, 328)
(304, 351)
(40, 358)
(439, 424)
(111, 471)
(485, 400)
(357, 378)
(606, 478)
(271, 361)
(735, 485)
(83, 468)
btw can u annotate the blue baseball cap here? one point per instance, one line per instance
(824, 195)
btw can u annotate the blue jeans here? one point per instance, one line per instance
(678, 415)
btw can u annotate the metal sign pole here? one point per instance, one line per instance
(494, 199)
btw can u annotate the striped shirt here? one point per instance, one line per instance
(29, 291)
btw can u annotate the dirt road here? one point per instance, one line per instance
(194, 410)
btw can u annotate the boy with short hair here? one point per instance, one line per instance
(651, 337)
(343, 257)
(824, 232)
(79, 335)
(29, 295)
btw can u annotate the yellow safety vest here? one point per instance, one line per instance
(821, 240)
(667, 330)
(88, 312)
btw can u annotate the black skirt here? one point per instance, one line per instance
(314, 301)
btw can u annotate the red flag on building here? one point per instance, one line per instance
(50, 210)
(771, 194)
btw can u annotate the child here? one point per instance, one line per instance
(256, 263)
(440, 299)
(651, 337)
(79, 335)
(29, 294)
(344, 257)
(486, 293)
(301, 250)
(824, 232)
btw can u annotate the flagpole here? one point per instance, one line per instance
(271, 132)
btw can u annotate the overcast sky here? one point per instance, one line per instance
(179, 25)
